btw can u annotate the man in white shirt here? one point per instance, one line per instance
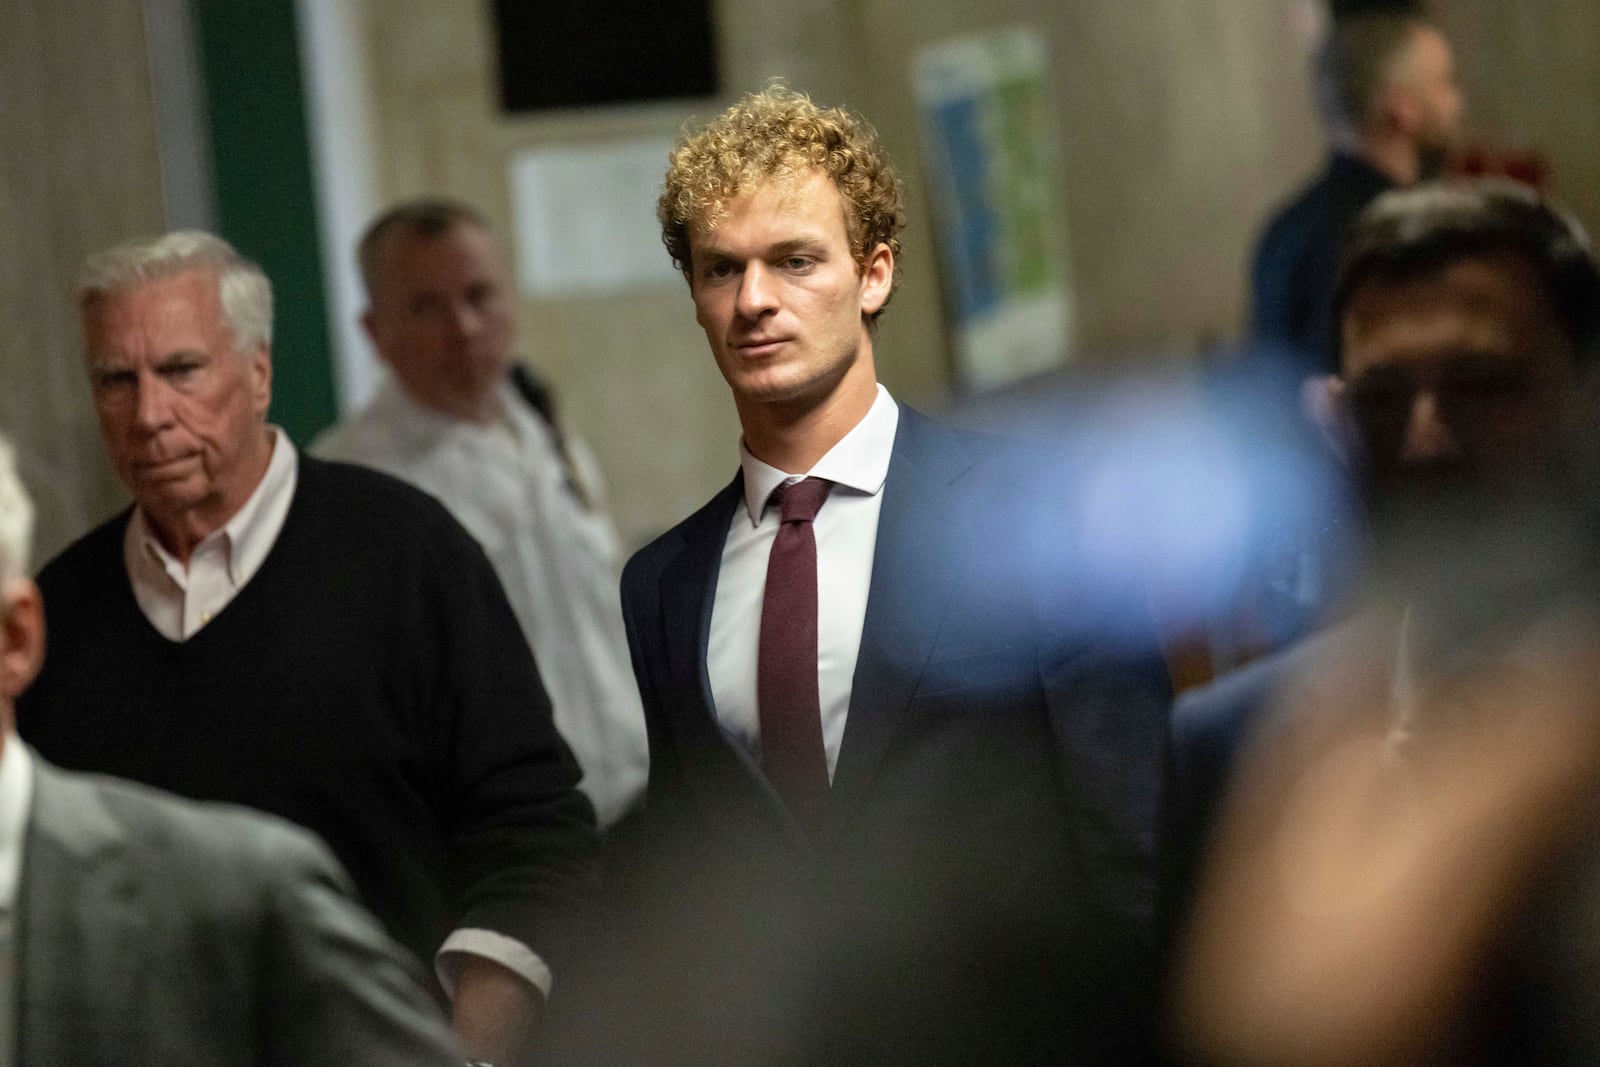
(139, 928)
(892, 817)
(311, 639)
(461, 419)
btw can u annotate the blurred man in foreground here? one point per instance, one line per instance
(1388, 88)
(307, 638)
(464, 420)
(1397, 817)
(138, 928)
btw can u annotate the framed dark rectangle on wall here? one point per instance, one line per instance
(585, 53)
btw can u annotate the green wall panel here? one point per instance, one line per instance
(265, 201)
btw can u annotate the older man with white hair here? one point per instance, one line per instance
(138, 928)
(306, 638)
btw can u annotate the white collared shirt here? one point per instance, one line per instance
(179, 600)
(16, 798)
(846, 532)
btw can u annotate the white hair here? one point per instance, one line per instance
(16, 518)
(242, 286)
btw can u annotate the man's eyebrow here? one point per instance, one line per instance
(777, 250)
(180, 354)
(798, 244)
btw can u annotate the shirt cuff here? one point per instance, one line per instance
(506, 951)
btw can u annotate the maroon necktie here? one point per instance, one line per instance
(786, 673)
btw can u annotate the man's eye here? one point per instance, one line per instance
(797, 263)
(719, 270)
(1380, 393)
(1382, 403)
(113, 379)
(1485, 386)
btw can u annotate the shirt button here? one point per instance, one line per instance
(205, 617)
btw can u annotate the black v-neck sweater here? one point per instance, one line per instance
(369, 682)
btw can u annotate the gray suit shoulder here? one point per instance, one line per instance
(262, 954)
(207, 832)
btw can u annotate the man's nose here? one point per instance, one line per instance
(756, 292)
(1428, 436)
(152, 404)
(465, 319)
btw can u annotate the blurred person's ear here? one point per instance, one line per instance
(21, 638)
(371, 327)
(1323, 400)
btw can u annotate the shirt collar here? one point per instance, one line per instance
(16, 797)
(431, 426)
(859, 462)
(250, 534)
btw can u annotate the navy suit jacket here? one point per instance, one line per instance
(984, 868)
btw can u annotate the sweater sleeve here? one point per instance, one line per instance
(523, 850)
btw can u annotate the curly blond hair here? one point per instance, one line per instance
(779, 135)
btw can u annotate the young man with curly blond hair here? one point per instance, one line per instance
(883, 822)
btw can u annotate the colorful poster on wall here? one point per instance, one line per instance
(992, 167)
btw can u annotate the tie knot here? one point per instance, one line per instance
(800, 501)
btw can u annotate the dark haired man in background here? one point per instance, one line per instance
(1382, 818)
(1386, 84)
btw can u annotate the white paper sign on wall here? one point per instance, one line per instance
(585, 222)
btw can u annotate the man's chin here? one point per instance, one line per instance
(773, 388)
(167, 496)
(1407, 493)
(1421, 513)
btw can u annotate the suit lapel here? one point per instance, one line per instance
(724, 773)
(921, 540)
(81, 928)
(688, 587)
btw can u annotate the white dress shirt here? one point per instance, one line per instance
(557, 556)
(16, 798)
(180, 600)
(846, 532)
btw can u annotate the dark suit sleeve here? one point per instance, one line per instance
(335, 989)
(1107, 695)
(1109, 706)
(524, 850)
(641, 618)
(1106, 689)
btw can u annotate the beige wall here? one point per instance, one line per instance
(78, 170)
(1179, 123)
(1531, 80)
